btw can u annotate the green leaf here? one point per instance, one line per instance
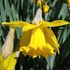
(8, 10)
(63, 11)
(64, 34)
(14, 13)
(2, 11)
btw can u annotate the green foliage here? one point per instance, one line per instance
(11, 10)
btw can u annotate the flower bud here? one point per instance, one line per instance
(45, 8)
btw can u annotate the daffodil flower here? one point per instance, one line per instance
(38, 39)
(45, 8)
(68, 2)
(8, 58)
(8, 63)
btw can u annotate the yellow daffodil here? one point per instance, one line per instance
(8, 63)
(45, 8)
(39, 3)
(68, 2)
(38, 39)
(42, 4)
(33, 1)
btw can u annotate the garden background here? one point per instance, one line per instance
(12, 10)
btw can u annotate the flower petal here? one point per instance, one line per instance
(29, 27)
(15, 23)
(1, 59)
(25, 38)
(51, 39)
(9, 62)
(54, 23)
(25, 25)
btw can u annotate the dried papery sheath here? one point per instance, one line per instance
(7, 47)
(38, 17)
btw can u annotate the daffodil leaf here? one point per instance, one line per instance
(8, 10)
(2, 11)
(63, 57)
(14, 12)
(63, 11)
(64, 34)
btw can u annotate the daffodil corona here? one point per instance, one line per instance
(38, 39)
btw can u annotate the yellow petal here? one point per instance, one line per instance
(54, 23)
(9, 62)
(25, 25)
(15, 23)
(25, 38)
(1, 59)
(29, 27)
(51, 39)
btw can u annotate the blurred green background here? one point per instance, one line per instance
(11, 10)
